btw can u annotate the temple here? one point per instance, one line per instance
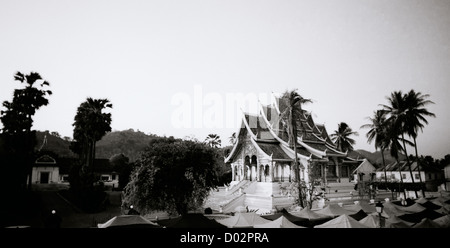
(262, 153)
(262, 161)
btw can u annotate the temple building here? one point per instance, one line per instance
(262, 161)
(262, 153)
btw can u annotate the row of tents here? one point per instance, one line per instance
(420, 213)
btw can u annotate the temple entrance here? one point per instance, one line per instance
(44, 177)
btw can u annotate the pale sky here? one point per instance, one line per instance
(150, 57)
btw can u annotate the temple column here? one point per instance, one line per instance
(338, 173)
(232, 173)
(272, 171)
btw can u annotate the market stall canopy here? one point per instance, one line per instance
(371, 221)
(128, 221)
(392, 209)
(191, 220)
(243, 220)
(441, 200)
(395, 222)
(443, 221)
(281, 222)
(309, 214)
(427, 223)
(343, 221)
(414, 208)
(312, 217)
(359, 215)
(430, 205)
(417, 217)
(333, 210)
(284, 213)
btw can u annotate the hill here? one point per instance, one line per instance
(128, 142)
(375, 158)
(54, 143)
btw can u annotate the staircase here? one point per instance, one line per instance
(222, 199)
(345, 193)
(260, 197)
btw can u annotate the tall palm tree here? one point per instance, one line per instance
(397, 111)
(90, 125)
(213, 140)
(378, 133)
(291, 102)
(342, 137)
(393, 143)
(415, 115)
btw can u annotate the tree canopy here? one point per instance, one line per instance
(17, 118)
(173, 175)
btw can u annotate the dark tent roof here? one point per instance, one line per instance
(192, 220)
(417, 217)
(359, 215)
(427, 223)
(430, 205)
(292, 218)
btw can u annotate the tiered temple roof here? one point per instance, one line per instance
(270, 136)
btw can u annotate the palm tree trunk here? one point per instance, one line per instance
(418, 165)
(409, 164)
(385, 173)
(297, 172)
(401, 178)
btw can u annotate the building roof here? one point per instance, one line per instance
(266, 128)
(273, 149)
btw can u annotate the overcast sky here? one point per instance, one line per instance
(177, 67)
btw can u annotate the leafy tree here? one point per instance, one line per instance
(292, 110)
(17, 121)
(213, 140)
(173, 175)
(121, 164)
(90, 125)
(342, 137)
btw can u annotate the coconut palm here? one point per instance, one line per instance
(397, 111)
(292, 103)
(342, 139)
(213, 140)
(415, 114)
(378, 133)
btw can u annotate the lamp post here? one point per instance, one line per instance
(379, 208)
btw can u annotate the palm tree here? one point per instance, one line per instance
(397, 110)
(378, 133)
(415, 115)
(213, 140)
(292, 103)
(393, 143)
(342, 139)
(90, 125)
